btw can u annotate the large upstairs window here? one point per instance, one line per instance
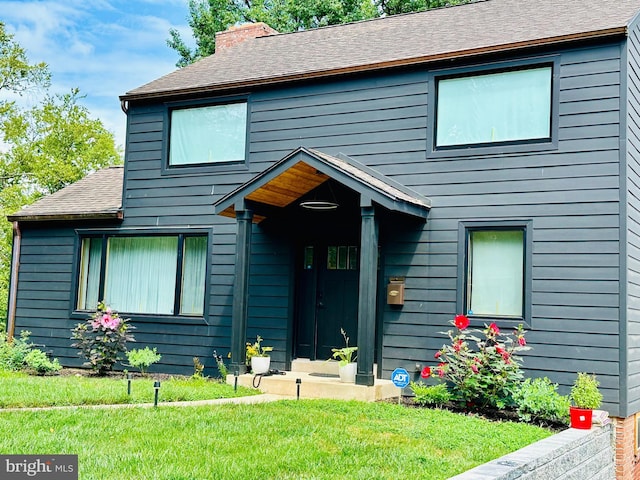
(205, 135)
(511, 106)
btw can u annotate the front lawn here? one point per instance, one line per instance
(21, 390)
(306, 439)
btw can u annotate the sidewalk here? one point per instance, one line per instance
(248, 400)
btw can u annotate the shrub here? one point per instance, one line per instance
(102, 338)
(14, 351)
(19, 354)
(222, 368)
(198, 368)
(538, 399)
(37, 361)
(143, 358)
(430, 394)
(482, 367)
(585, 393)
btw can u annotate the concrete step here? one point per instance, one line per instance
(329, 367)
(305, 365)
(312, 386)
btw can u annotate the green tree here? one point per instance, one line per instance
(42, 148)
(17, 75)
(395, 7)
(206, 17)
(54, 144)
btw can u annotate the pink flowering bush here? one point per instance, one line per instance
(102, 338)
(480, 366)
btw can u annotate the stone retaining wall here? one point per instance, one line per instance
(569, 455)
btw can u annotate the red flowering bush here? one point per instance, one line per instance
(102, 338)
(480, 366)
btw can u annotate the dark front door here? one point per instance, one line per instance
(327, 299)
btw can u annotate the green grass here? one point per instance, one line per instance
(307, 439)
(21, 390)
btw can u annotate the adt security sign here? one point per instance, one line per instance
(400, 378)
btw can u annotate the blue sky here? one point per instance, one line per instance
(103, 47)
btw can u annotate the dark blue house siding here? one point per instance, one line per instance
(45, 285)
(571, 195)
(374, 116)
(632, 239)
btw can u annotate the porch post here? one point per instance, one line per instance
(240, 310)
(367, 293)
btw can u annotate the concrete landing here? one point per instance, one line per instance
(315, 383)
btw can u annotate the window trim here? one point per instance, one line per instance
(76, 313)
(512, 146)
(464, 229)
(200, 168)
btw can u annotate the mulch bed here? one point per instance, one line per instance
(489, 413)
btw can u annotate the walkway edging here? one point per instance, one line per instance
(246, 400)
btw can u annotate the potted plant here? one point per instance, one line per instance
(585, 397)
(346, 356)
(257, 356)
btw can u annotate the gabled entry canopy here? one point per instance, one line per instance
(305, 169)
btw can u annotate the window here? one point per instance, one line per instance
(208, 135)
(494, 269)
(144, 274)
(342, 257)
(308, 257)
(497, 107)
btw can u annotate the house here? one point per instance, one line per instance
(480, 159)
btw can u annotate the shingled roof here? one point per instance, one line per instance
(477, 28)
(96, 196)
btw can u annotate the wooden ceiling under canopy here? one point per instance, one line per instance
(303, 170)
(289, 186)
(284, 189)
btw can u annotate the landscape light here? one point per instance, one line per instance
(156, 386)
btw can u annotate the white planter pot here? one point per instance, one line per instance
(260, 364)
(348, 372)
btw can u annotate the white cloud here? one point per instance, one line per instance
(104, 47)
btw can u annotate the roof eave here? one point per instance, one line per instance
(584, 36)
(118, 215)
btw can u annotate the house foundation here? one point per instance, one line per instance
(626, 449)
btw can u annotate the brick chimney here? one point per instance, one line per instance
(239, 33)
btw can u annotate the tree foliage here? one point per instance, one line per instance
(206, 17)
(17, 75)
(54, 144)
(43, 148)
(395, 7)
